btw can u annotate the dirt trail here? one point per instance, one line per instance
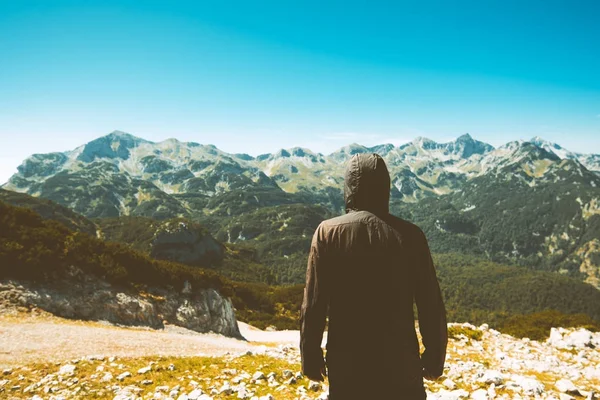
(27, 339)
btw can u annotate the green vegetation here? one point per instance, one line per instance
(536, 326)
(35, 249)
(475, 289)
(49, 210)
(454, 332)
(479, 291)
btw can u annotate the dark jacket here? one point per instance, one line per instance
(365, 270)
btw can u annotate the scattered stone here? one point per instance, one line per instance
(68, 369)
(243, 393)
(530, 386)
(480, 394)
(566, 386)
(449, 384)
(492, 376)
(291, 381)
(314, 386)
(147, 382)
(258, 375)
(287, 374)
(226, 389)
(124, 375)
(564, 396)
(144, 370)
(195, 394)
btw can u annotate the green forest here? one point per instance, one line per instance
(475, 290)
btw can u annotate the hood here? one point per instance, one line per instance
(367, 184)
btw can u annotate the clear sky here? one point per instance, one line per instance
(256, 76)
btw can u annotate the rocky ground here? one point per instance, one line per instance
(481, 364)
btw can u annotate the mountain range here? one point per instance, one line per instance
(532, 202)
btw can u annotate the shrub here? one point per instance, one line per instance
(536, 326)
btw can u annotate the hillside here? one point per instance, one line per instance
(50, 210)
(532, 203)
(475, 290)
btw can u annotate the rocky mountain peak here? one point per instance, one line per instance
(114, 145)
(465, 146)
(348, 151)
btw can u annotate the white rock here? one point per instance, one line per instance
(492, 391)
(314, 386)
(67, 369)
(579, 339)
(444, 394)
(107, 377)
(480, 394)
(195, 394)
(124, 375)
(492, 376)
(449, 384)
(566, 386)
(226, 389)
(258, 375)
(183, 397)
(144, 370)
(243, 393)
(564, 396)
(530, 386)
(267, 397)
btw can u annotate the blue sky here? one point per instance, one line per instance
(255, 76)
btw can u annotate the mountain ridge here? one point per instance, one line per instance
(516, 203)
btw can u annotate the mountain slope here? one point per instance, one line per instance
(532, 203)
(37, 250)
(50, 210)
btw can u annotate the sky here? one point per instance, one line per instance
(257, 76)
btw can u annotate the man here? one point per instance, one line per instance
(364, 270)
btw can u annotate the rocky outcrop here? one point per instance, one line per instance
(86, 297)
(178, 241)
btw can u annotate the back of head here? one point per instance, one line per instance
(367, 184)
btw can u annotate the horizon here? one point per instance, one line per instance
(254, 80)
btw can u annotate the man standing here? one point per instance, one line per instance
(364, 271)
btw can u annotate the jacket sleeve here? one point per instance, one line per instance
(431, 312)
(314, 311)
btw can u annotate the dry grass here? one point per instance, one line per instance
(185, 373)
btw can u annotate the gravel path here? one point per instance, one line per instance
(26, 340)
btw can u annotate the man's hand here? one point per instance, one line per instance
(316, 374)
(428, 375)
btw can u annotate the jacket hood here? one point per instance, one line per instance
(367, 184)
